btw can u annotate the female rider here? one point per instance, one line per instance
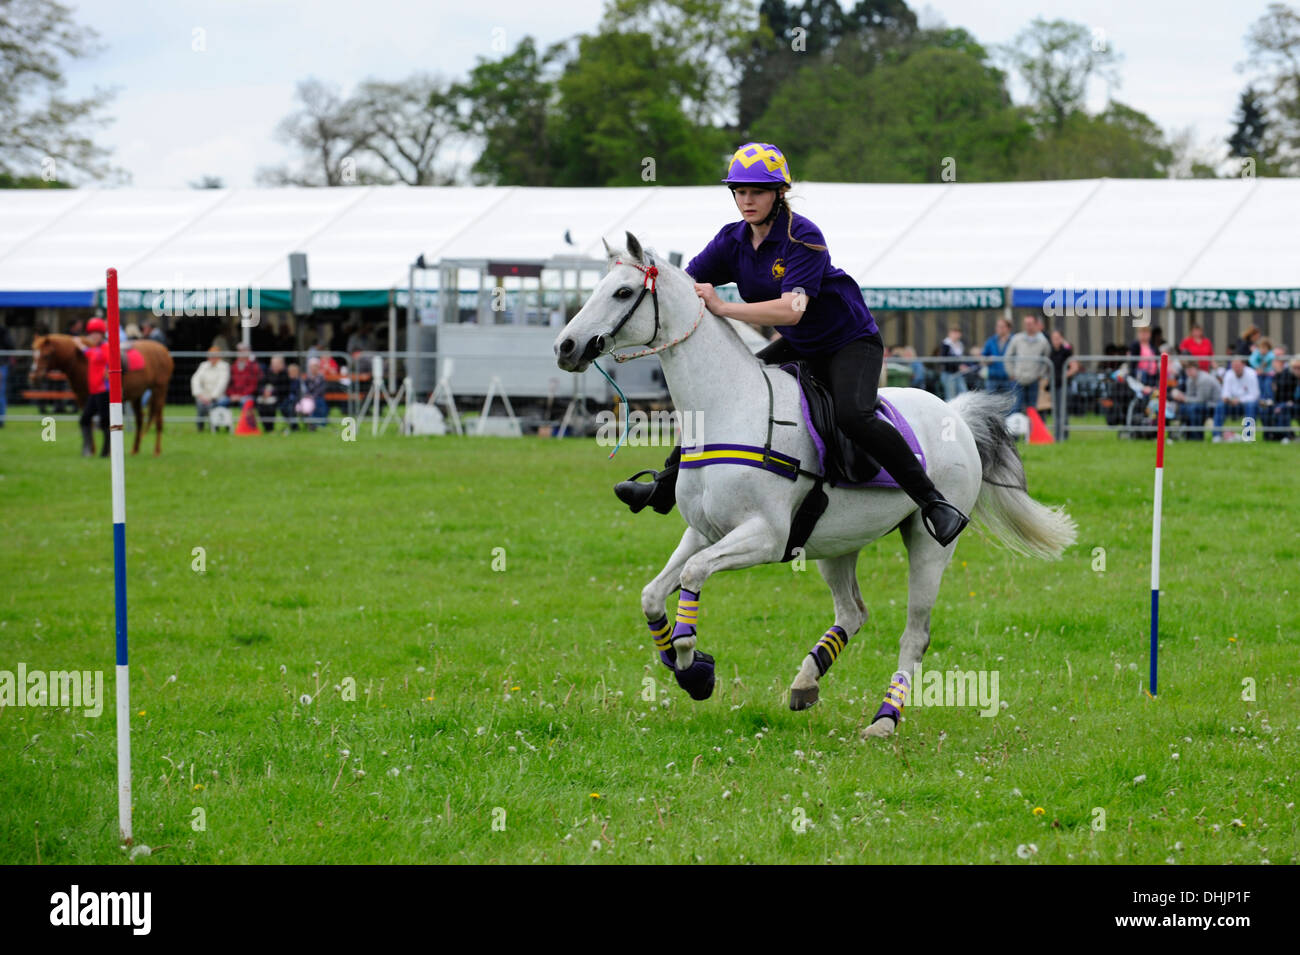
(96, 385)
(784, 274)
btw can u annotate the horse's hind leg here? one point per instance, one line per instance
(139, 424)
(926, 562)
(850, 614)
(156, 402)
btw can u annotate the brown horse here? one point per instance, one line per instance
(61, 352)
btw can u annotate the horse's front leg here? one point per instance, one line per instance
(654, 596)
(755, 541)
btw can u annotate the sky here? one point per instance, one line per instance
(201, 84)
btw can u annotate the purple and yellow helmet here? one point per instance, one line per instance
(758, 164)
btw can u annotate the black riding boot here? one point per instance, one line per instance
(942, 520)
(660, 494)
(87, 440)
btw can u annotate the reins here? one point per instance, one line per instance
(649, 284)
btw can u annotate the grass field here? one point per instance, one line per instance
(501, 714)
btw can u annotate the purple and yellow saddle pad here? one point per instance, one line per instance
(844, 463)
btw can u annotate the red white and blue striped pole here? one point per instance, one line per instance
(117, 461)
(1155, 524)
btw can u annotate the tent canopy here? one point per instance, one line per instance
(898, 239)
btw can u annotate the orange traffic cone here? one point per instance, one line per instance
(247, 419)
(1038, 433)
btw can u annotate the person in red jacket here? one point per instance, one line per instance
(245, 376)
(96, 352)
(1196, 343)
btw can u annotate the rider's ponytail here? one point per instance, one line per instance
(789, 224)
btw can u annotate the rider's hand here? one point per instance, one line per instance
(710, 296)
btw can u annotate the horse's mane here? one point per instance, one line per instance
(728, 328)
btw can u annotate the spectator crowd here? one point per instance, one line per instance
(281, 392)
(1259, 387)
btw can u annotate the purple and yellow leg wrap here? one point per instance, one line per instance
(661, 631)
(697, 679)
(829, 647)
(895, 697)
(688, 614)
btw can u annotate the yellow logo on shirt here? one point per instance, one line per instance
(778, 268)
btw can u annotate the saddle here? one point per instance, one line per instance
(843, 463)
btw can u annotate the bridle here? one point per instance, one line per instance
(648, 284)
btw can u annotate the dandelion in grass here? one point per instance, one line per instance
(1039, 810)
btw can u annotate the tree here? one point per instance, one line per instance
(208, 182)
(1251, 124)
(622, 102)
(329, 135)
(697, 43)
(1056, 59)
(791, 38)
(410, 123)
(1121, 143)
(900, 122)
(46, 138)
(506, 104)
(1273, 43)
(1189, 159)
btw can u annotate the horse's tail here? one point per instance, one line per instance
(1004, 505)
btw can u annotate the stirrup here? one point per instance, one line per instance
(943, 521)
(659, 493)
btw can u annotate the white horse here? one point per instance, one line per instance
(740, 516)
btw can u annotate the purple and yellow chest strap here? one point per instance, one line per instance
(744, 454)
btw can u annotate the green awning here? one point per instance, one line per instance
(230, 301)
(916, 299)
(1236, 299)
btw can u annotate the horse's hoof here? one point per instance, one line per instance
(697, 679)
(802, 699)
(880, 729)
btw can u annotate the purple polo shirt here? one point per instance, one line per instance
(836, 313)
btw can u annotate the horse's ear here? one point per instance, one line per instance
(634, 248)
(610, 254)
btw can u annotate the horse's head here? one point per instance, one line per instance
(624, 310)
(42, 353)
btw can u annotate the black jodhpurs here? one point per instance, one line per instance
(96, 406)
(853, 375)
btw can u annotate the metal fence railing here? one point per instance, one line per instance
(1119, 393)
(1074, 394)
(340, 382)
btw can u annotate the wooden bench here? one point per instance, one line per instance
(344, 397)
(65, 393)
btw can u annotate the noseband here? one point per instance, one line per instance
(651, 273)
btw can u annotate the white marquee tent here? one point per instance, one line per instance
(1205, 240)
